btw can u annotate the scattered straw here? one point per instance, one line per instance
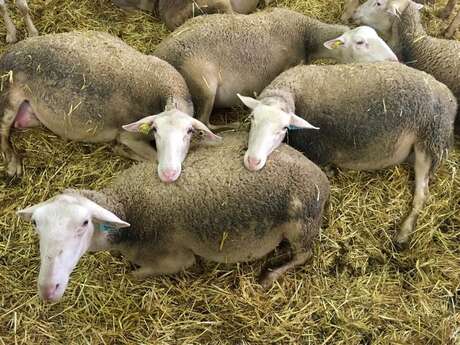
(357, 290)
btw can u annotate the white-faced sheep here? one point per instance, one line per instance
(10, 28)
(222, 55)
(162, 228)
(370, 116)
(175, 13)
(399, 21)
(350, 7)
(84, 86)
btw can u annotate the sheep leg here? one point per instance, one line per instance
(300, 247)
(453, 26)
(349, 9)
(422, 172)
(10, 28)
(135, 147)
(167, 263)
(25, 11)
(11, 158)
(448, 9)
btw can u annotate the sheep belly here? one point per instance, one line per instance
(376, 158)
(240, 246)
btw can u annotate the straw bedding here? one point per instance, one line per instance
(357, 289)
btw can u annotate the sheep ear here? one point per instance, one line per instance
(143, 126)
(297, 122)
(418, 6)
(26, 213)
(335, 43)
(102, 216)
(250, 102)
(208, 135)
(394, 10)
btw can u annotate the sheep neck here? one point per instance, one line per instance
(410, 28)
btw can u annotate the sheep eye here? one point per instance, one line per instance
(378, 3)
(86, 222)
(360, 43)
(154, 129)
(190, 131)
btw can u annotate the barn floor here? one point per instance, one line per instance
(357, 290)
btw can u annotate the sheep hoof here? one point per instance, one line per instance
(401, 241)
(330, 171)
(14, 168)
(267, 279)
(401, 246)
(11, 38)
(141, 273)
(33, 32)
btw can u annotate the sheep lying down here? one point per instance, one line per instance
(84, 86)
(361, 116)
(218, 210)
(175, 13)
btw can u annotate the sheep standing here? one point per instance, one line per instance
(84, 86)
(197, 216)
(10, 28)
(370, 116)
(222, 55)
(400, 21)
(175, 13)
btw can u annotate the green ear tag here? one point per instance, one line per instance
(144, 128)
(106, 228)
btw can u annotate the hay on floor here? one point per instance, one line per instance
(357, 290)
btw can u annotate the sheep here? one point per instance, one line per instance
(175, 13)
(363, 116)
(221, 55)
(163, 228)
(84, 86)
(350, 7)
(399, 20)
(22, 6)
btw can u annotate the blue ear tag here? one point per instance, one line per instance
(103, 227)
(292, 128)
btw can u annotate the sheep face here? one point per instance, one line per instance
(173, 131)
(380, 14)
(269, 125)
(361, 45)
(66, 226)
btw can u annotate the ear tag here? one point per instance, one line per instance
(337, 44)
(144, 128)
(293, 128)
(103, 227)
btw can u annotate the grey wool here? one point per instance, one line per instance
(217, 210)
(222, 55)
(84, 86)
(370, 116)
(436, 56)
